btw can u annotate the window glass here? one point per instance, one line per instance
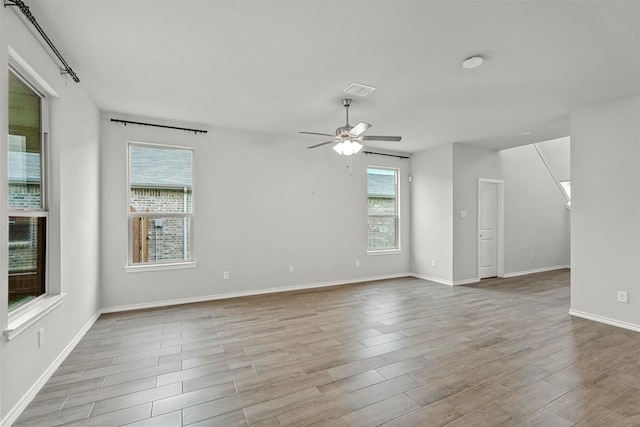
(27, 222)
(566, 185)
(160, 204)
(25, 136)
(27, 238)
(382, 209)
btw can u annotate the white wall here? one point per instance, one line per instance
(262, 204)
(536, 217)
(74, 217)
(432, 214)
(536, 220)
(557, 153)
(469, 164)
(605, 243)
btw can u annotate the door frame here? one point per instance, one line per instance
(500, 237)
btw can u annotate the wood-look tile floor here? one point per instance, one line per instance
(401, 352)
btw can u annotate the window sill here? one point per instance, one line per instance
(160, 267)
(21, 322)
(385, 252)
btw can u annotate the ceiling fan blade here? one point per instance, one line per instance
(380, 138)
(316, 133)
(359, 128)
(323, 143)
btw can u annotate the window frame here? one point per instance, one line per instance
(130, 266)
(44, 210)
(398, 226)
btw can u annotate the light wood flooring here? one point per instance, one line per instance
(404, 352)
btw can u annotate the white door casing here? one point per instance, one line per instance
(490, 228)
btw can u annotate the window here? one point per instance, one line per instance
(566, 186)
(28, 216)
(382, 209)
(160, 204)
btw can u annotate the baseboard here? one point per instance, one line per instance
(466, 281)
(24, 401)
(606, 320)
(432, 279)
(204, 298)
(535, 270)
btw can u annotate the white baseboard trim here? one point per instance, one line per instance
(228, 295)
(535, 270)
(466, 281)
(24, 401)
(432, 279)
(606, 320)
(444, 281)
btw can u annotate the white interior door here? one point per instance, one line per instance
(489, 225)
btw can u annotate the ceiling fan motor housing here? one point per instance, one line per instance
(343, 131)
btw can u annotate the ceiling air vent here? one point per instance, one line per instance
(359, 89)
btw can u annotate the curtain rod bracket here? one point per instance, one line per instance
(27, 13)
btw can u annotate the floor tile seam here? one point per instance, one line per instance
(622, 394)
(113, 397)
(185, 406)
(574, 422)
(126, 406)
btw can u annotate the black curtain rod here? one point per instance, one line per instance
(127, 122)
(27, 13)
(383, 154)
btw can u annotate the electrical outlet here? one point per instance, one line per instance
(622, 296)
(433, 263)
(40, 337)
(291, 269)
(225, 275)
(533, 257)
(357, 263)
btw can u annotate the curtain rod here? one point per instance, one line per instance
(383, 154)
(128, 122)
(27, 13)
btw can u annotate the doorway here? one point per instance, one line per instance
(490, 228)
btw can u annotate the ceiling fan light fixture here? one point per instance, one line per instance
(473, 62)
(347, 147)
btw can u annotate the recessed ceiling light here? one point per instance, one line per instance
(473, 62)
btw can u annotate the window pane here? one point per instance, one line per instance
(382, 233)
(382, 209)
(24, 146)
(160, 239)
(26, 259)
(160, 179)
(567, 188)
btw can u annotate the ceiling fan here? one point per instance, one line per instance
(347, 138)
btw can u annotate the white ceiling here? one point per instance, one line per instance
(280, 66)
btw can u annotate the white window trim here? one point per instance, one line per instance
(130, 267)
(22, 317)
(139, 268)
(398, 249)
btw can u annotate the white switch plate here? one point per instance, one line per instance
(225, 275)
(433, 263)
(291, 269)
(463, 214)
(40, 337)
(357, 263)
